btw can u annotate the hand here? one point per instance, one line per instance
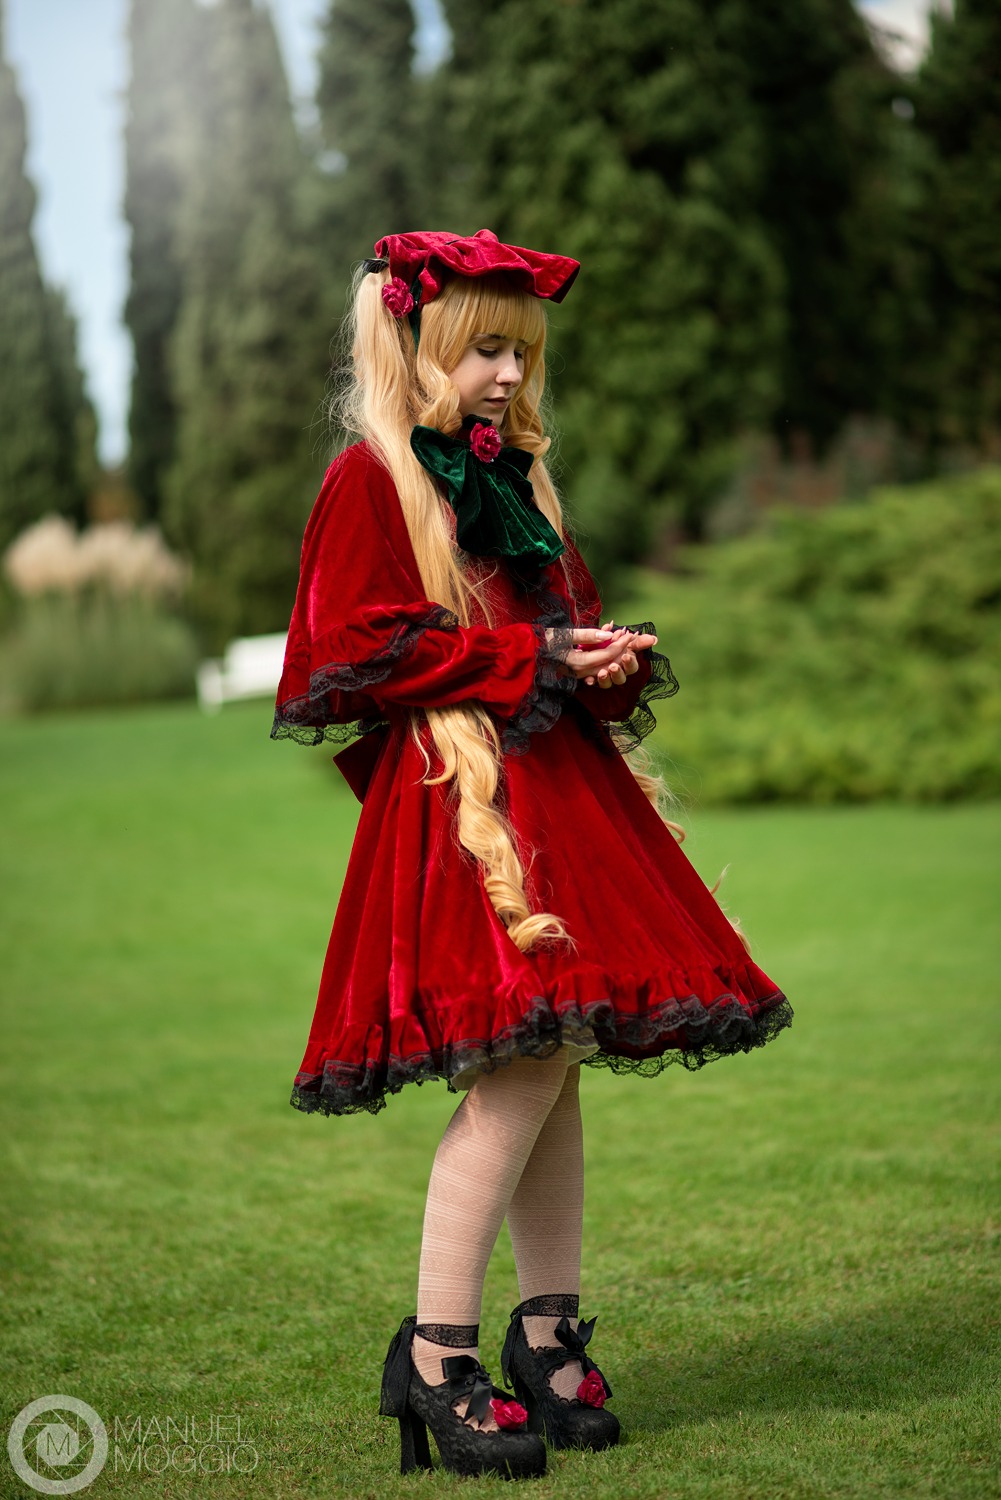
(613, 655)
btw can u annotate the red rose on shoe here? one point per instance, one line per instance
(508, 1413)
(397, 297)
(592, 1390)
(485, 442)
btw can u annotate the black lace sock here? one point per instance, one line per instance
(433, 1341)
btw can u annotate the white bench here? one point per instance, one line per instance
(250, 668)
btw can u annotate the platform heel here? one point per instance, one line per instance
(414, 1450)
(453, 1411)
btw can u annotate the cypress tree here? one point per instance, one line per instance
(249, 352)
(819, 99)
(165, 44)
(366, 100)
(957, 222)
(74, 409)
(39, 454)
(619, 133)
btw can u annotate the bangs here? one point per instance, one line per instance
(486, 305)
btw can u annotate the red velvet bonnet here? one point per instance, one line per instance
(431, 257)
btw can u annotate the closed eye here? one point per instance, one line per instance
(490, 352)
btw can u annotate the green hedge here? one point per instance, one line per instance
(847, 654)
(94, 650)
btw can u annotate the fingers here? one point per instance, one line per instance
(592, 637)
(612, 657)
(591, 663)
(616, 674)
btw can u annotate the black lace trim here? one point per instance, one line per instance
(543, 705)
(552, 688)
(302, 718)
(679, 1030)
(553, 1305)
(450, 1335)
(662, 683)
(315, 734)
(619, 736)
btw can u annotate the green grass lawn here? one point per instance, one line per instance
(793, 1254)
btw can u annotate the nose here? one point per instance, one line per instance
(509, 371)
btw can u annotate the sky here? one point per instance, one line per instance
(71, 63)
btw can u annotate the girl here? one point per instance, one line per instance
(514, 904)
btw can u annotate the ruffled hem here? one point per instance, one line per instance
(678, 1030)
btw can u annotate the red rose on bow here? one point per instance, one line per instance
(485, 442)
(592, 1390)
(397, 298)
(508, 1413)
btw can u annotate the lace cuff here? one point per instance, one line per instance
(543, 705)
(662, 683)
(625, 729)
(306, 718)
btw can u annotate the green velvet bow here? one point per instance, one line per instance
(495, 512)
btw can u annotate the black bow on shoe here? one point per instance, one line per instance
(467, 1377)
(574, 1340)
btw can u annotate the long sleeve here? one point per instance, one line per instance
(364, 636)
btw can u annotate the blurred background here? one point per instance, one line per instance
(776, 386)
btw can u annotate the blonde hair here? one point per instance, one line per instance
(393, 387)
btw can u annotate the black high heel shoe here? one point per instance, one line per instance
(512, 1451)
(566, 1422)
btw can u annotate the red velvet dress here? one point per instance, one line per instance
(421, 979)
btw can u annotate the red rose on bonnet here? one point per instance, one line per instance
(397, 298)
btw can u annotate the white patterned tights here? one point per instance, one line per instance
(514, 1146)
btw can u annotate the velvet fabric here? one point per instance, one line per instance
(430, 257)
(421, 979)
(493, 499)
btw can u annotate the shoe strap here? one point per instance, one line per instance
(450, 1335)
(552, 1305)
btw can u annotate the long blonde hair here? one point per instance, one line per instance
(393, 387)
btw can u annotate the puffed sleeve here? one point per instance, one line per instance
(364, 636)
(624, 705)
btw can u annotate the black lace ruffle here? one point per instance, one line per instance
(304, 718)
(550, 691)
(626, 734)
(678, 1030)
